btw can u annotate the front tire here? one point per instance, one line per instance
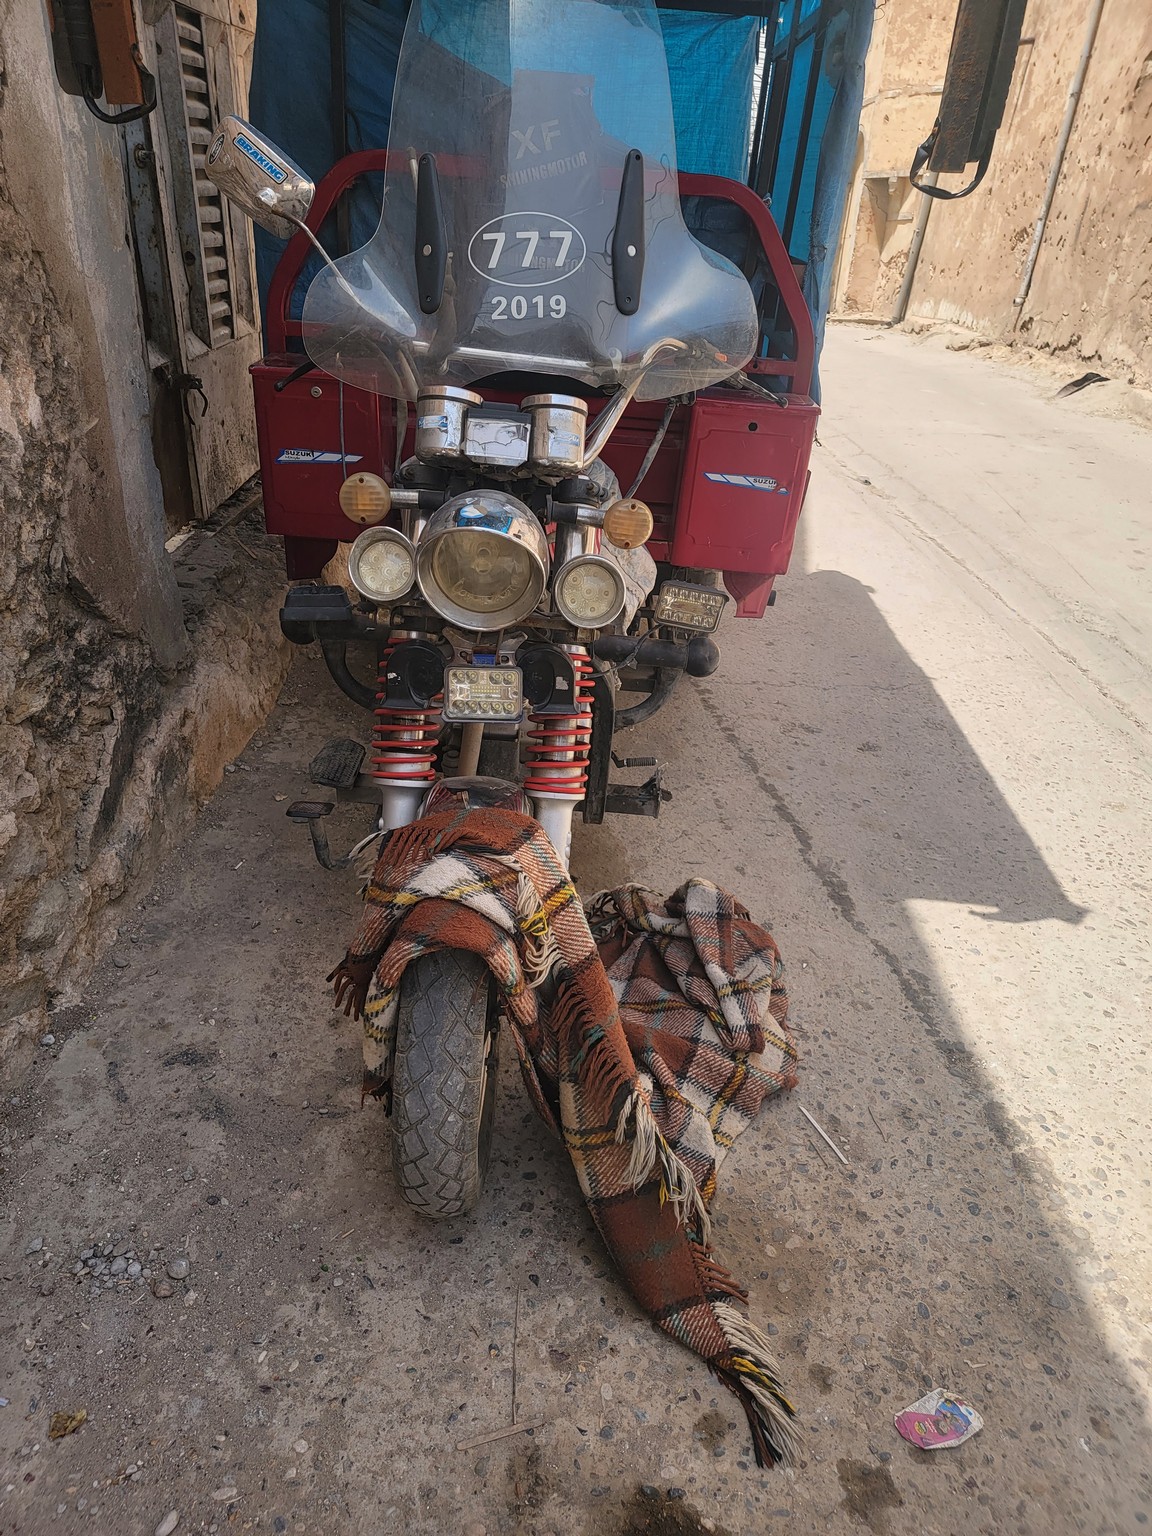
(444, 1082)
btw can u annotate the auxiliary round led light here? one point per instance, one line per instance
(365, 499)
(382, 565)
(628, 523)
(482, 560)
(589, 592)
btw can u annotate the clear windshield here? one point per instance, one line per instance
(529, 111)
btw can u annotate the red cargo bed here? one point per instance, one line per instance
(726, 487)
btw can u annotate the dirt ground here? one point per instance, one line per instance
(926, 770)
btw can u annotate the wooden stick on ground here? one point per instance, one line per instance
(500, 1434)
(820, 1131)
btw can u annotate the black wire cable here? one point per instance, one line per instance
(90, 91)
(653, 447)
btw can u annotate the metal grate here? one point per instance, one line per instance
(206, 249)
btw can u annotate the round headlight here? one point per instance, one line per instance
(589, 592)
(482, 560)
(382, 565)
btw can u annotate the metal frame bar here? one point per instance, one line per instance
(762, 8)
(804, 132)
(780, 68)
(757, 148)
(778, 65)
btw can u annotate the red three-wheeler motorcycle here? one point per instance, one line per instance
(558, 408)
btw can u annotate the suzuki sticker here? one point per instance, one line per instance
(749, 482)
(315, 456)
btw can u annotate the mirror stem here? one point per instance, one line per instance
(328, 262)
(608, 420)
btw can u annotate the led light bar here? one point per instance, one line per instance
(680, 605)
(474, 694)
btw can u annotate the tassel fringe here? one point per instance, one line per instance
(716, 1279)
(539, 953)
(753, 1374)
(652, 1154)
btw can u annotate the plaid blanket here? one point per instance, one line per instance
(648, 1054)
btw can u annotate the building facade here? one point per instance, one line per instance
(135, 658)
(1083, 290)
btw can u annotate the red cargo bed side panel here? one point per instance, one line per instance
(312, 434)
(743, 483)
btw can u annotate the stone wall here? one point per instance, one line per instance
(1091, 295)
(116, 718)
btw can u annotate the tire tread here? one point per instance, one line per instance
(438, 1083)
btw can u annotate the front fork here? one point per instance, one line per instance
(405, 737)
(559, 755)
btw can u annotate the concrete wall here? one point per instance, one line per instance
(903, 78)
(112, 721)
(1091, 295)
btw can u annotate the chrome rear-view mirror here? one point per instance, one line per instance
(259, 178)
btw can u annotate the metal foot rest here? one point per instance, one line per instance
(337, 764)
(311, 814)
(637, 799)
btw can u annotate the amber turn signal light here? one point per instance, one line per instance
(365, 499)
(628, 523)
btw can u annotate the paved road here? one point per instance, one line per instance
(927, 769)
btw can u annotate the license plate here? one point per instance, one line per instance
(683, 606)
(474, 694)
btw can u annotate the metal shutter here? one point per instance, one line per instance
(197, 93)
(213, 315)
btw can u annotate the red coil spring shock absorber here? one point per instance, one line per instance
(404, 740)
(559, 745)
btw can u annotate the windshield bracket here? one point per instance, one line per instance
(431, 239)
(628, 236)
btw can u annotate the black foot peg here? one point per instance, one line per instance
(337, 764)
(311, 813)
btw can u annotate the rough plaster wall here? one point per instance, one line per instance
(65, 676)
(903, 95)
(111, 725)
(857, 291)
(902, 203)
(64, 179)
(1091, 295)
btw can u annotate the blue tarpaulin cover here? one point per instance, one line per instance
(712, 67)
(711, 63)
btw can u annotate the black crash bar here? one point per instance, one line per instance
(698, 656)
(325, 613)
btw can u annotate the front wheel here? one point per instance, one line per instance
(444, 1082)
